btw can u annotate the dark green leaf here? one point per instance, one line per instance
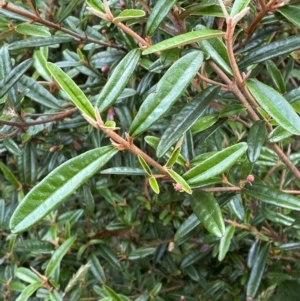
(276, 76)
(186, 227)
(256, 139)
(291, 13)
(225, 242)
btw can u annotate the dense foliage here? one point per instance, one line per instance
(149, 150)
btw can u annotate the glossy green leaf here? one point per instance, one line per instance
(173, 158)
(253, 252)
(57, 186)
(33, 30)
(270, 50)
(109, 256)
(9, 175)
(13, 76)
(204, 123)
(208, 212)
(29, 290)
(275, 105)
(291, 13)
(154, 185)
(67, 10)
(179, 180)
(12, 146)
(38, 93)
(124, 171)
(30, 164)
(225, 242)
(140, 253)
(40, 63)
(276, 76)
(27, 275)
(186, 118)
(58, 255)
(55, 296)
(293, 95)
(256, 139)
(257, 271)
(72, 90)
(118, 80)
(111, 293)
(168, 90)
(97, 269)
(234, 109)
(39, 42)
(127, 14)
(238, 6)
(145, 165)
(236, 206)
(272, 196)
(289, 246)
(158, 13)
(278, 134)
(96, 4)
(184, 39)
(216, 164)
(277, 217)
(186, 227)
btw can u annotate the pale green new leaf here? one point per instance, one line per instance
(127, 14)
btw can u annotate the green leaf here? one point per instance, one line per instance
(289, 246)
(111, 293)
(271, 50)
(27, 275)
(187, 226)
(57, 186)
(184, 39)
(97, 269)
(179, 180)
(127, 14)
(225, 242)
(253, 252)
(278, 134)
(208, 212)
(33, 30)
(275, 105)
(55, 296)
(272, 196)
(154, 185)
(67, 10)
(73, 91)
(257, 271)
(124, 171)
(276, 76)
(256, 139)
(140, 253)
(58, 255)
(238, 6)
(118, 80)
(168, 90)
(216, 164)
(277, 217)
(39, 42)
(109, 256)
(186, 118)
(291, 13)
(9, 175)
(204, 123)
(12, 146)
(158, 13)
(29, 290)
(145, 165)
(96, 4)
(13, 76)
(173, 158)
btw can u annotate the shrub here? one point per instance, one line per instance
(149, 150)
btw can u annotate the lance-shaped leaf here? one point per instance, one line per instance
(225, 242)
(33, 30)
(256, 139)
(272, 196)
(13, 76)
(184, 39)
(10, 176)
(257, 271)
(145, 165)
(187, 226)
(57, 186)
(276, 76)
(73, 91)
(180, 181)
(64, 13)
(58, 255)
(154, 185)
(128, 14)
(275, 105)
(118, 80)
(39, 42)
(271, 50)
(169, 89)
(278, 134)
(27, 275)
(216, 164)
(208, 212)
(96, 268)
(29, 290)
(238, 6)
(158, 13)
(291, 13)
(186, 118)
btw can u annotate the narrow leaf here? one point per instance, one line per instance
(291, 13)
(184, 39)
(216, 164)
(33, 30)
(57, 186)
(67, 10)
(186, 118)
(225, 242)
(169, 88)
(27, 275)
(128, 14)
(179, 180)
(257, 271)
(97, 269)
(256, 139)
(9, 175)
(140, 253)
(158, 13)
(278, 134)
(208, 212)
(58, 255)
(275, 105)
(124, 171)
(73, 91)
(276, 76)
(118, 80)
(145, 165)
(238, 6)
(272, 196)
(29, 290)
(187, 226)
(154, 185)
